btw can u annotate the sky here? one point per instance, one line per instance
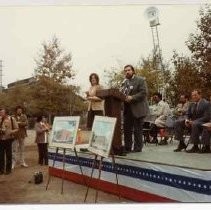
(98, 37)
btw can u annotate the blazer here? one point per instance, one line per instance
(95, 105)
(138, 90)
(9, 126)
(199, 112)
(40, 133)
(22, 124)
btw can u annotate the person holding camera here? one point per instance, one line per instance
(8, 127)
(42, 129)
(19, 143)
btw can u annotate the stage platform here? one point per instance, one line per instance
(157, 174)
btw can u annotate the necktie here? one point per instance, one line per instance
(194, 110)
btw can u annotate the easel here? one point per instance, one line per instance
(99, 175)
(63, 168)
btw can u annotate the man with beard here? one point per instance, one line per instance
(18, 144)
(136, 109)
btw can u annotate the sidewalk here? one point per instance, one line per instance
(17, 187)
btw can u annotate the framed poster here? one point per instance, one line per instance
(64, 132)
(83, 139)
(102, 135)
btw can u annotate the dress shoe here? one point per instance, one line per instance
(122, 154)
(8, 172)
(1, 172)
(24, 165)
(137, 150)
(166, 138)
(194, 149)
(84, 150)
(180, 147)
(205, 149)
(147, 140)
(163, 142)
(154, 141)
(127, 150)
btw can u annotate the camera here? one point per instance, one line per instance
(38, 177)
(2, 131)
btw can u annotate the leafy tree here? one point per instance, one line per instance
(53, 62)
(184, 79)
(114, 76)
(199, 43)
(49, 93)
(157, 80)
(154, 78)
(18, 95)
(53, 70)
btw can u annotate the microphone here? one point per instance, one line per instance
(125, 87)
(123, 82)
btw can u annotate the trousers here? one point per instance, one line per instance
(133, 125)
(6, 150)
(43, 153)
(18, 147)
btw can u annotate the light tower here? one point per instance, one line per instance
(151, 14)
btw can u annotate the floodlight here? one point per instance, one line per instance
(151, 13)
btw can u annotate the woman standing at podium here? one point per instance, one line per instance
(95, 104)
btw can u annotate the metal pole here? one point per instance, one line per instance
(1, 76)
(54, 160)
(116, 172)
(63, 160)
(99, 175)
(93, 166)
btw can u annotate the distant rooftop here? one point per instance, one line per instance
(29, 80)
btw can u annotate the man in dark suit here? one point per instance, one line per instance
(197, 114)
(206, 135)
(136, 109)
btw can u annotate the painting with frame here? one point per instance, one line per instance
(64, 132)
(102, 135)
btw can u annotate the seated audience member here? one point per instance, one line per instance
(205, 138)
(178, 113)
(197, 114)
(182, 107)
(161, 111)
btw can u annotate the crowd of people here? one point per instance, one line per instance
(13, 131)
(190, 117)
(187, 118)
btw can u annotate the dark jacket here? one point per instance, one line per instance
(138, 90)
(200, 112)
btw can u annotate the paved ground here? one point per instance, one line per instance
(17, 187)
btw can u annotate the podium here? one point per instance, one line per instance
(113, 98)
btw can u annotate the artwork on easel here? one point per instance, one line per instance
(83, 138)
(64, 132)
(102, 135)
